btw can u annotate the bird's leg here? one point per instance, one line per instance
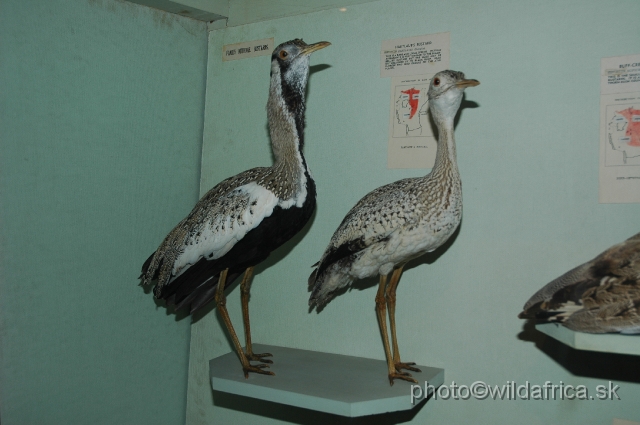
(381, 310)
(221, 303)
(245, 287)
(390, 295)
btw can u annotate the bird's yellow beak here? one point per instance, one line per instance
(467, 83)
(316, 46)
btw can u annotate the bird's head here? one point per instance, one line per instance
(290, 61)
(446, 90)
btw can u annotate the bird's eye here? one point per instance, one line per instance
(436, 82)
(283, 54)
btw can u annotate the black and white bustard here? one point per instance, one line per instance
(599, 296)
(398, 222)
(240, 221)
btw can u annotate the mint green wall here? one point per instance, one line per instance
(528, 156)
(100, 134)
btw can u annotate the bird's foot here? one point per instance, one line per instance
(258, 357)
(401, 375)
(408, 366)
(259, 368)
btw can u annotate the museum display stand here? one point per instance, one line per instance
(332, 383)
(607, 343)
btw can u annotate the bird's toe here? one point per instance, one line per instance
(259, 368)
(401, 375)
(259, 357)
(407, 366)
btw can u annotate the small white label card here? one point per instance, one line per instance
(423, 54)
(620, 130)
(247, 49)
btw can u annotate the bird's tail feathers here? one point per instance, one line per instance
(543, 312)
(149, 272)
(567, 286)
(323, 288)
(311, 282)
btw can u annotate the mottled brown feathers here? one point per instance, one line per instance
(601, 295)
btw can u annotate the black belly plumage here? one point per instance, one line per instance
(196, 286)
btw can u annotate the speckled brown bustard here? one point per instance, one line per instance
(398, 222)
(599, 296)
(239, 222)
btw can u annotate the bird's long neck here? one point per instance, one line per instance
(285, 113)
(445, 165)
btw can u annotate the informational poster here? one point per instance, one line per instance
(411, 63)
(423, 54)
(247, 49)
(412, 142)
(620, 130)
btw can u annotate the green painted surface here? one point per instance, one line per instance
(528, 155)
(100, 134)
(243, 12)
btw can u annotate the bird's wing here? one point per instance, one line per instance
(617, 266)
(622, 316)
(221, 218)
(562, 296)
(230, 217)
(373, 219)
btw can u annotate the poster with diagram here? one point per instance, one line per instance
(620, 130)
(412, 142)
(411, 63)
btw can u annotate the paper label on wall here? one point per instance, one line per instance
(620, 74)
(247, 49)
(620, 130)
(420, 55)
(412, 142)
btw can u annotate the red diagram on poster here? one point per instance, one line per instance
(414, 96)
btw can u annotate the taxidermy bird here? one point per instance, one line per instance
(239, 222)
(398, 222)
(599, 296)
